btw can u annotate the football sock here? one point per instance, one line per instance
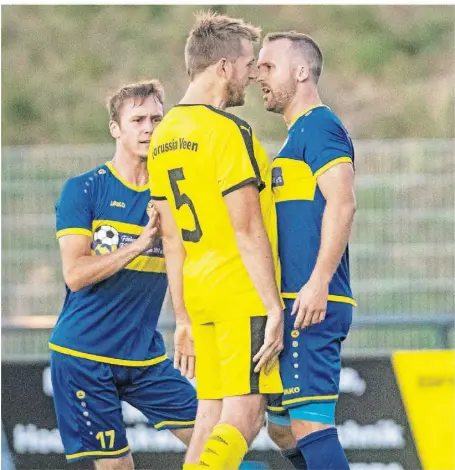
(322, 451)
(295, 457)
(224, 449)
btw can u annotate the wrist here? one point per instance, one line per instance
(182, 317)
(321, 277)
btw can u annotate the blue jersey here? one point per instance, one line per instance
(316, 141)
(114, 320)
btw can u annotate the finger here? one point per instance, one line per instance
(322, 316)
(191, 367)
(271, 364)
(264, 359)
(261, 351)
(308, 317)
(295, 306)
(153, 217)
(300, 317)
(316, 318)
(177, 357)
(184, 364)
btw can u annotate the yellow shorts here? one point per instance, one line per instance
(224, 359)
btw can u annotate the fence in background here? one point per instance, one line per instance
(402, 251)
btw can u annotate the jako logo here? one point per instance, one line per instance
(118, 204)
(289, 391)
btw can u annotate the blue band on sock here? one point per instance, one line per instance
(281, 420)
(315, 412)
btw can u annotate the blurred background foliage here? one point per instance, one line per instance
(389, 70)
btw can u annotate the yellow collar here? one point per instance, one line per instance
(122, 180)
(305, 111)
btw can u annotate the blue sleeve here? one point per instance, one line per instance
(328, 143)
(73, 209)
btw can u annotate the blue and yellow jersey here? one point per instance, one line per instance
(316, 142)
(198, 155)
(114, 320)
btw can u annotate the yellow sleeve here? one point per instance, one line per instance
(157, 179)
(236, 164)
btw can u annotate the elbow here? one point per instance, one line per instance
(72, 282)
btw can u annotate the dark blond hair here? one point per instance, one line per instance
(307, 47)
(215, 37)
(140, 90)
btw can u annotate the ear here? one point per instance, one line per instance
(302, 73)
(114, 129)
(224, 69)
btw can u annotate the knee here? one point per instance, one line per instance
(281, 435)
(120, 463)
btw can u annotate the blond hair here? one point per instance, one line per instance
(215, 37)
(306, 45)
(141, 90)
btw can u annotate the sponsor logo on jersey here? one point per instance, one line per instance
(118, 204)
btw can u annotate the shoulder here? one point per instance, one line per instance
(321, 119)
(86, 183)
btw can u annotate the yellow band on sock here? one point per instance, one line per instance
(224, 449)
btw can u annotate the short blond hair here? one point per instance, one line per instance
(306, 45)
(214, 37)
(141, 90)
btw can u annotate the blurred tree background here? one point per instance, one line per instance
(389, 70)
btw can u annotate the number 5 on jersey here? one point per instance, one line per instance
(176, 175)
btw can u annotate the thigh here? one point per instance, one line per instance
(311, 360)
(162, 394)
(238, 340)
(208, 374)
(88, 408)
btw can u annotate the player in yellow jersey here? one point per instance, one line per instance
(211, 181)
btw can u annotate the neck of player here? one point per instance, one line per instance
(205, 90)
(305, 98)
(132, 168)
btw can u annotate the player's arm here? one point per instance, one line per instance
(253, 243)
(175, 254)
(330, 157)
(337, 187)
(244, 209)
(81, 269)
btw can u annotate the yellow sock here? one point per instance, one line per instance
(224, 449)
(191, 466)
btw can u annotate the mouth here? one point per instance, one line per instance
(265, 91)
(144, 142)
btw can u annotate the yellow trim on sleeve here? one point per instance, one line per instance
(331, 297)
(73, 231)
(140, 189)
(331, 164)
(107, 360)
(97, 452)
(305, 399)
(174, 423)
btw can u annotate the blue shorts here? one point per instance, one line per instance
(310, 365)
(88, 395)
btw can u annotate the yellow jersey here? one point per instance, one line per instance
(199, 154)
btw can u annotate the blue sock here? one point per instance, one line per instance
(322, 450)
(295, 457)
